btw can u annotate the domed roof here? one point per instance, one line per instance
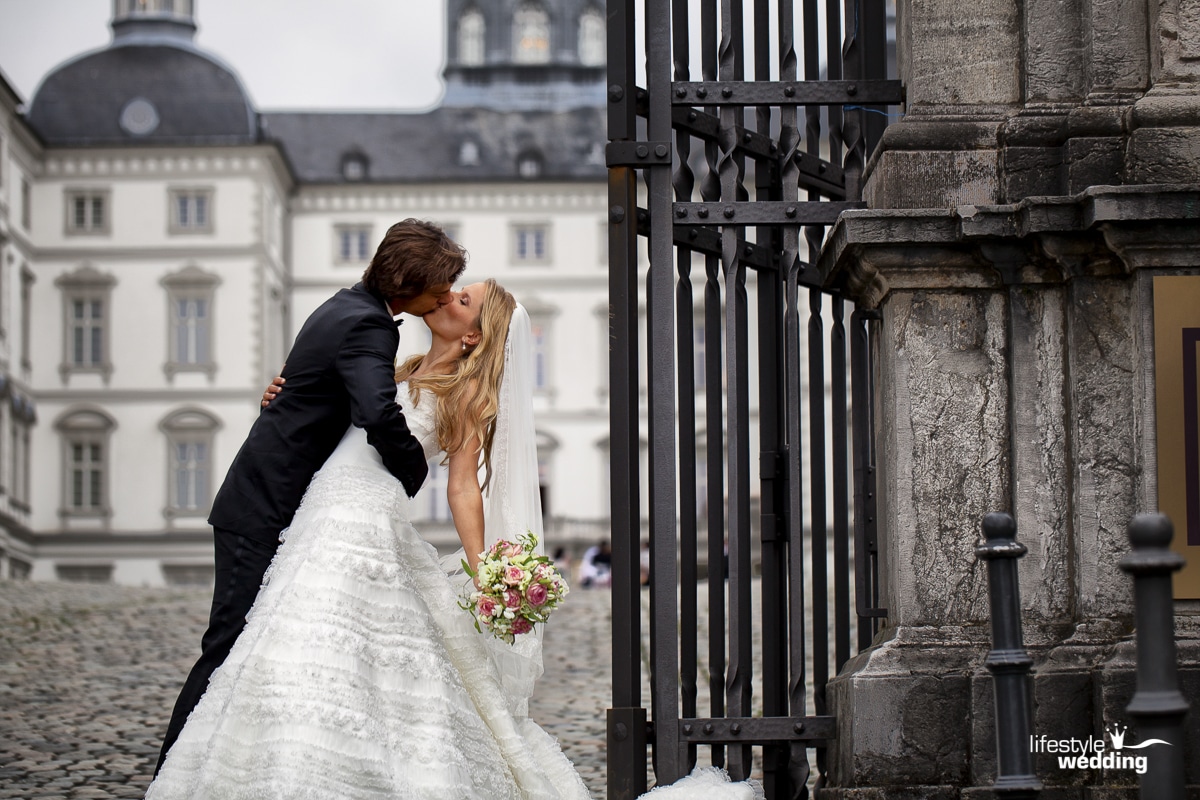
(143, 93)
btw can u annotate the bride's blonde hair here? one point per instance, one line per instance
(468, 395)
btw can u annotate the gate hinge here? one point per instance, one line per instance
(637, 154)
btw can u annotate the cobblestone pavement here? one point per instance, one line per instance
(88, 675)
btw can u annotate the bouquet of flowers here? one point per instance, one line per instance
(517, 587)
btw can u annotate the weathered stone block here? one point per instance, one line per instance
(1164, 155)
(1094, 161)
(934, 179)
(963, 59)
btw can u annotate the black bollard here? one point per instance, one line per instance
(1158, 707)
(1008, 661)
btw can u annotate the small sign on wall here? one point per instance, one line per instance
(1177, 388)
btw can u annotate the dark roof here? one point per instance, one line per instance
(143, 94)
(422, 147)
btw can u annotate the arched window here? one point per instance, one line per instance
(591, 38)
(85, 435)
(531, 34)
(471, 29)
(530, 164)
(189, 434)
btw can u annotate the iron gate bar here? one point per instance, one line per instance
(626, 722)
(797, 93)
(758, 729)
(775, 212)
(660, 333)
(866, 546)
(683, 182)
(841, 488)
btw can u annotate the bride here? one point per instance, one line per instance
(357, 675)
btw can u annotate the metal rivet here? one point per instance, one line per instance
(687, 730)
(774, 148)
(615, 93)
(821, 169)
(798, 727)
(702, 213)
(735, 728)
(702, 92)
(728, 212)
(616, 213)
(798, 157)
(681, 91)
(642, 151)
(708, 728)
(747, 137)
(789, 91)
(692, 116)
(852, 90)
(749, 251)
(727, 92)
(661, 151)
(790, 211)
(680, 212)
(693, 233)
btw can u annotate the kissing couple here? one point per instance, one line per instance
(337, 663)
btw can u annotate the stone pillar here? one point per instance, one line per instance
(1015, 373)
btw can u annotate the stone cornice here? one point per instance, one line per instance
(1101, 231)
(173, 163)
(430, 198)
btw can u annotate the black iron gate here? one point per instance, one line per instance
(767, 569)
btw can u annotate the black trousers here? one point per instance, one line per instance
(240, 565)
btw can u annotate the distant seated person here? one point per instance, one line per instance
(596, 567)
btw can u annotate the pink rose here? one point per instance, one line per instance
(512, 598)
(521, 625)
(513, 575)
(513, 550)
(486, 607)
(537, 594)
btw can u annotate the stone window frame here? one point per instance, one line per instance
(26, 203)
(87, 285)
(192, 224)
(592, 41)
(86, 479)
(472, 37)
(26, 321)
(21, 421)
(531, 36)
(526, 249)
(87, 200)
(189, 427)
(342, 236)
(191, 284)
(84, 573)
(541, 322)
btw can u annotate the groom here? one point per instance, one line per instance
(341, 371)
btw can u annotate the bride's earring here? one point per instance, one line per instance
(464, 347)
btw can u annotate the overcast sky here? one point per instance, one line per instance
(290, 54)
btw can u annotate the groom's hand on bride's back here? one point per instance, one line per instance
(275, 387)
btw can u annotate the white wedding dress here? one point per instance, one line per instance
(357, 675)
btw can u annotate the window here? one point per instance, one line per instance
(468, 154)
(188, 574)
(19, 426)
(354, 166)
(546, 447)
(531, 35)
(26, 204)
(191, 211)
(541, 315)
(433, 506)
(471, 31)
(190, 302)
(86, 300)
(87, 212)
(591, 38)
(85, 437)
(529, 165)
(353, 244)
(26, 320)
(84, 573)
(189, 435)
(531, 244)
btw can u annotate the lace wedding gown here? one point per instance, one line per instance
(357, 675)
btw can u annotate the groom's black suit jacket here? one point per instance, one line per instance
(341, 371)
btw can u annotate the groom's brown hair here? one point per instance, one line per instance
(413, 256)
